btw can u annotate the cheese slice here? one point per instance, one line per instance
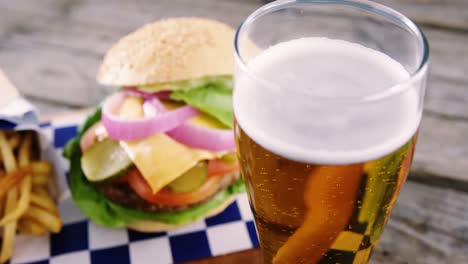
(159, 158)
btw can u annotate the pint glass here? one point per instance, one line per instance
(328, 98)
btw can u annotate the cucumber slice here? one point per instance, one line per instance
(191, 180)
(105, 160)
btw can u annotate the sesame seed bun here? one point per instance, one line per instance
(169, 50)
(153, 226)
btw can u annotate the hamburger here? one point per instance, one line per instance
(159, 152)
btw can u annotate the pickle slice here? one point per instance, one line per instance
(105, 160)
(191, 180)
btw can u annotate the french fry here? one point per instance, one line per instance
(9, 161)
(45, 218)
(2, 174)
(29, 226)
(40, 179)
(25, 185)
(43, 201)
(22, 229)
(9, 233)
(14, 141)
(41, 172)
(25, 151)
(9, 230)
(23, 202)
(12, 179)
(41, 167)
(40, 190)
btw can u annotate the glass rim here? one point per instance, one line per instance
(366, 5)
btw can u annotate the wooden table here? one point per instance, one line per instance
(51, 49)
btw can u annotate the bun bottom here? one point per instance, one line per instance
(153, 226)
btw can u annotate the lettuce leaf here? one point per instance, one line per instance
(210, 94)
(212, 100)
(104, 212)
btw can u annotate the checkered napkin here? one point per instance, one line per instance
(82, 241)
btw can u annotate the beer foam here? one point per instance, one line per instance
(311, 110)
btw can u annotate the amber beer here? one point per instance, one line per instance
(313, 213)
(323, 174)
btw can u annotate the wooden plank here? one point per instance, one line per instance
(69, 53)
(442, 150)
(447, 85)
(441, 13)
(53, 73)
(48, 108)
(429, 225)
(448, 54)
(451, 14)
(447, 98)
(130, 15)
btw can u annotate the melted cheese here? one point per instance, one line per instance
(159, 158)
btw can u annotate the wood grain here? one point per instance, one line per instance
(442, 151)
(452, 14)
(430, 225)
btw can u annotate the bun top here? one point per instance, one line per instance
(170, 50)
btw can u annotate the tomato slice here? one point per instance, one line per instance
(93, 134)
(169, 198)
(89, 137)
(220, 167)
(166, 197)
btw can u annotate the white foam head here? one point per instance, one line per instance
(312, 110)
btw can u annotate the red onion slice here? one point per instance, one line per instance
(163, 95)
(200, 137)
(204, 138)
(155, 122)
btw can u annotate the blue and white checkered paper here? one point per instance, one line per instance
(82, 241)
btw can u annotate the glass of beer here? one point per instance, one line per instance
(328, 98)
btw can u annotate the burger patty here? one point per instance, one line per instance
(123, 195)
